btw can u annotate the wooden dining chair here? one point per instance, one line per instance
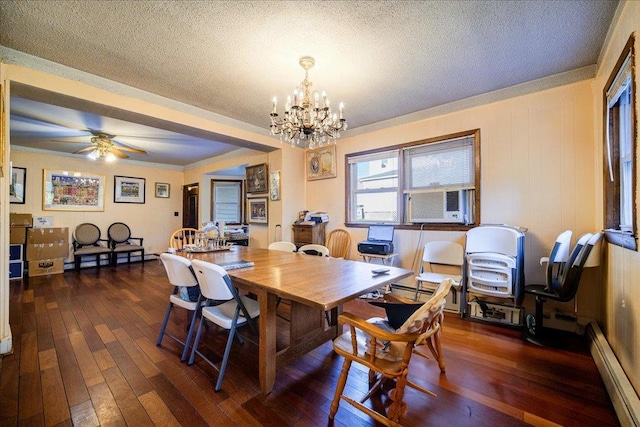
(339, 243)
(181, 237)
(387, 353)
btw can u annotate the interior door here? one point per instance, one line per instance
(190, 206)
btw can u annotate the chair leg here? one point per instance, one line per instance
(164, 324)
(539, 314)
(436, 349)
(398, 408)
(225, 358)
(196, 341)
(77, 260)
(185, 352)
(342, 381)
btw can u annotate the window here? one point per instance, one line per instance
(425, 182)
(227, 201)
(374, 180)
(619, 151)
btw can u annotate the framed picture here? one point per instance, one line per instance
(257, 179)
(128, 189)
(274, 185)
(162, 190)
(17, 185)
(258, 210)
(321, 163)
(72, 191)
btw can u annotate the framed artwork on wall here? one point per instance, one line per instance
(257, 179)
(128, 189)
(321, 163)
(274, 185)
(17, 185)
(162, 190)
(258, 210)
(72, 191)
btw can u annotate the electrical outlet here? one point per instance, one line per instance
(176, 214)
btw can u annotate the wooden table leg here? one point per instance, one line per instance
(267, 350)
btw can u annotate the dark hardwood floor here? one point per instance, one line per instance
(85, 354)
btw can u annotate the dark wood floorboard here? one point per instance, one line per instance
(85, 354)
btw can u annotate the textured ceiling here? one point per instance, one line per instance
(382, 59)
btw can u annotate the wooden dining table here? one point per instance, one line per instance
(313, 285)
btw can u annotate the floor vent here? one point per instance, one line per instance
(623, 396)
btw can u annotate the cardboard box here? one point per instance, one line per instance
(43, 267)
(17, 235)
(48, 235)
(36, 251)
(42, 221)
(20, 220)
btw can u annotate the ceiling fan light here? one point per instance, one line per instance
(94, 155)
(110, 157)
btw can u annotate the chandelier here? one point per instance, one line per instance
(308, 117)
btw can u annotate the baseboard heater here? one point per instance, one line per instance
(622, 394)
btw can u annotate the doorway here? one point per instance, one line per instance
(190, 206)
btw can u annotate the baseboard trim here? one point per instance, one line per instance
(623, 396)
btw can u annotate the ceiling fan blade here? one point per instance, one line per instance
(118, 153)
(95, 132)
(85, 149)
(131, 150)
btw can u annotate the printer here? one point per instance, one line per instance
(379, 241)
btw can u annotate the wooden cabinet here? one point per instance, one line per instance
(305, 234)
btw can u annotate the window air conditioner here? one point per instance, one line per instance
(437, 206)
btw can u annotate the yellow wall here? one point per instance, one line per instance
(538, 171)
(620, 289)
(154, 220)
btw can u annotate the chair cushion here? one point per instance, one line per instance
(91, 250)
(388, 355)
(128, 248)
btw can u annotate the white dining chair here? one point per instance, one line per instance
(282, 246)
(216, 286)
(180, 274)
(314, 249)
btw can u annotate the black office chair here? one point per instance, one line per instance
(563, 288)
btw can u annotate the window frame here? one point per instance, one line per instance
(241, 183)
(402, 205)
(612, 181)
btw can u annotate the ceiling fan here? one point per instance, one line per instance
(103, 146)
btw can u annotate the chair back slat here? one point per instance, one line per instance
(181, 237)
(339, 243)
